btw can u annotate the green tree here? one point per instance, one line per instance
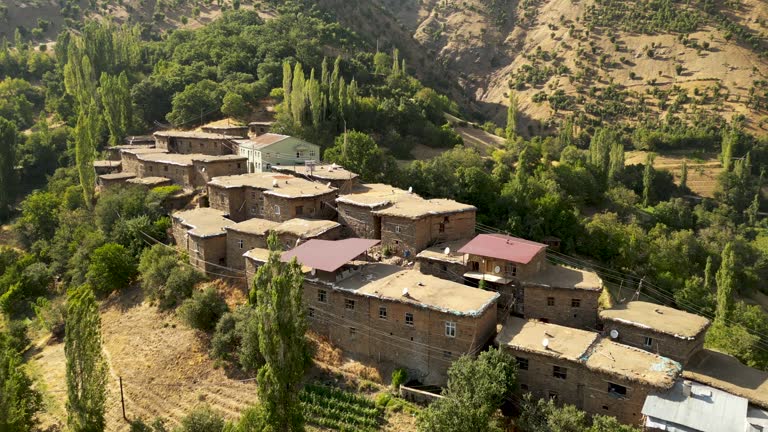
(298, 96)
(8, 139)
(616, 161)
(730, 140)
(195, 102)
(277, 296)
(359, 153)
(684, 176)
(112, 267)
(599, 151)
(115, 92)
(233, 105)
(86, 138)
(475, 391)
(204, 309)
(726, 284)
(19, 402)
(86, 370)
(202, 419)
(648, 175)
(512, 116)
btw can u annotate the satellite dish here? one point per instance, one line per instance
(328, 185)
(274, 183)
(410, 189)
(312, 272)
(447, 251)
(545, 343)
(497, 269)
(405, 292)
(614, 334)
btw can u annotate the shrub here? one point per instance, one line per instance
(203, 310)
(155, 266)
(202, 419)
(50, 315)
(17, 336)
(252, 419)
(158, 425)
(112, 267)
(399, 376)
(179, 286)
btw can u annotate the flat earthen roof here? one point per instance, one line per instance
(141, 150)
(387, 282)
(373, 195)
(559, 276)
(322, 172)
(193, 134)
(188, 159)
(118, 176)
(663, 319)
(254, 226)
(306, 228)
(503, 247)
(528, 336)
(258, 254)
(632, 364)
(204, 221)
(437, 252)
(287, 186)
(726, 373)
(150, 181)
(419, 208)
(107, 163)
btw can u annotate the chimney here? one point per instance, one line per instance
(687, 386)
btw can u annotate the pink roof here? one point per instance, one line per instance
(329, 255)
(503, 247)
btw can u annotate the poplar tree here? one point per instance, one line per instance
(726, 282)
(726, 151)
(115, 95)
(708, 274)
(277, 296)
(287, 82)
(86, 370)
(684, 176)
(599, 151)
(648, 180)
(8, 138)
(512, 112)
(616, 161)
(86, 136)
(298, 96)
(315, 101)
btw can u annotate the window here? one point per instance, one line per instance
(511, 269)
(447, 354)
(522, 363)
(550, 301)
(524, 387)
(240, 243)
(441, 228)
(648, 342)
(559, 372)
(349, 304)
(254, 210)
(450, 329)
(253, 194)
(311, 153)
(475, 265)
(408, 318)
(299, 210)
(298, 155)
(238, 165)
(575, 303)
(383, 312)
(150, 168)
(616, 390)
(397, 229)
(311, 312)
(277, 210)
(352, 331)
(165, 167)
(553, 395)
(322, 296)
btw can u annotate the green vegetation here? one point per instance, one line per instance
(339, 410)
(203, 310)
(545, 416)
(19, 402)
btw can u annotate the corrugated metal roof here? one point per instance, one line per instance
(503, 247)
(707, 409)
(329, 255)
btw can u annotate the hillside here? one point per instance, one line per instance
(591, 59)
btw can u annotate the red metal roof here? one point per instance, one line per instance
(329, 255)
(503, 247)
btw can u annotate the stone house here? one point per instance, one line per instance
(107, 181)
(191, 142)
(501, 259)
(201, 233)
(150, 182)
(275, 197)
(106, 166)
(268, 150)
(331, 174)
(190, 171)
(404, 222)
(244, 236)
(580, 368)
(659, 329)
(129, 157)
(260, 127)
(296, 231)
(444, 260)
(392, 316)
(225, 128)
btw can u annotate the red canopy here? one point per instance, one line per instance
(329, 255)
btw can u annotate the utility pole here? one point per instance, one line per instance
(122, 398)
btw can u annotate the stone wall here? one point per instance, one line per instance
(206, 171)
(663, 344)
(289, 240)
(228, 200)
(235, 253)
(441, 269)
(317, 207)
(181, 175)
(563, 312)
(404, 235)
(206, 146)
(209, 254)
(583, 388)
(359, 221)
(129, 162)
(422, 348)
